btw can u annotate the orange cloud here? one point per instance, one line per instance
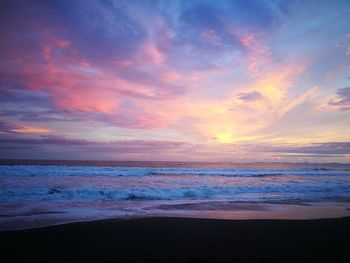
(30, 129)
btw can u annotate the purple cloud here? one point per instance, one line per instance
(60, 147)
(313, 148)
(250, 96)
(342, 100)
(8, 127)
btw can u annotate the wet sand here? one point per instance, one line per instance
(183, 240)
(27, 216)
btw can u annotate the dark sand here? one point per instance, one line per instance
(183, 240)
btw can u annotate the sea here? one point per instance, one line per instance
(39, 193)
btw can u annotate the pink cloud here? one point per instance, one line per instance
(76, 84)
(151, 54)
(124, 63)
(134, 119)
(72, 88)
(170, 76)
(85, 63)
(61, 43)
(87, 99)
(258, 53)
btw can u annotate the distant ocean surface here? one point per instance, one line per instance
(85, 188)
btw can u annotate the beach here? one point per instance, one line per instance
(151, 212)
(37, 194)
(182, 240)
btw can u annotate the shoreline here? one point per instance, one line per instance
(169, 239)
(39, 216)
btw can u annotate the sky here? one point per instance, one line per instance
(177, 80)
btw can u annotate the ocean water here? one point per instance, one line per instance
(88, 190)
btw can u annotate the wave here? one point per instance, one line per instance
(245, 192)
(81, 183)
(33, 171)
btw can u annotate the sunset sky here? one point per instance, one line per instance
(175, 80)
